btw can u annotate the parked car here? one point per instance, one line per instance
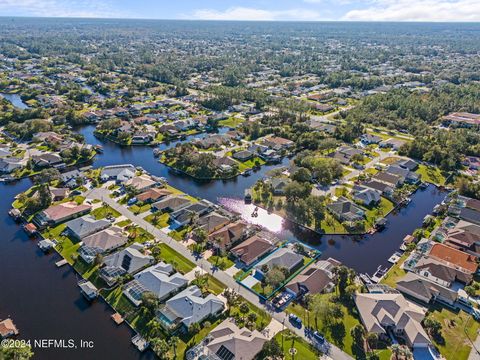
(132, 201)
(318, 337)
(295, 320)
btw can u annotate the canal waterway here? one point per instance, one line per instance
(15, 99)
(45, 303)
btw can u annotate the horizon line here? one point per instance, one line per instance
(237, 21)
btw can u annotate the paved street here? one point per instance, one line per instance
(103, 195)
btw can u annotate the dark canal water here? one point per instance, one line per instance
(45, 303)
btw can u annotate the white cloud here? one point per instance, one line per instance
(418, 10)
(243, 13)
(60, 8)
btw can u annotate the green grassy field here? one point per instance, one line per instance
(181, 263)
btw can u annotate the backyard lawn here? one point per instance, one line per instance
(231, 122)
(395, 272)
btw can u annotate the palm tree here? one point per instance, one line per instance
(396, 350)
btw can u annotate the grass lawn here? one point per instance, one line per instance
(103, 211)
(215, 285)
(390, 160)
(175, 191)
(187, 341)
(180, 263)
(66, 247)
(395, 272)
(305, 351)
(222, 263)
(179, 235)
(456, 345)
(379, 211)
(263, 318)
(79, 199)
(158, 220)
(339, 332)
(124, 223)
(232, 122)
(138, 234)
(136, 209)
(431, 174)
(330, 225)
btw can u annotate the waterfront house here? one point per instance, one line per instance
(47, 160)
(58, 193)
(383, 314)
(464, 236)
(253, 249)
(455, 258)
(243, 155)
(191, 212)
(279, 184)
(171, 203)
(284, 258)
(141, 182)
(57, 214)
(7, 329)
(69, 178)
(277, 143)
(102, 242)
(10, 164)
(212, 222)
(346, 211)
(228, 341)
(189, 307)
(118, 173)
(440, 272)
(229, 235)
(312, 280)
(392, 180)
(159, 279)
(126, 261)
(384, 189)
(405, 174)
(366, 196)
(424, 290)
(85, 226)
(153, 194)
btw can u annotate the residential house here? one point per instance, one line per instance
(10, 164)
(189, 307)
(384, 189)
(462, 119)
(85, 226)
(141, 183)
(254, 248)
(58, 193)
(212, 222)
(382, 314)
(126, 261)
(391, 180)
(229, 235)
(228, 341)
(407, 164)
(7, 329)
(69, 179)
(171, 203)
(153, 194)
(368, 139)
(395, 144)
(455, 258)
(141, 137)
(424, 290)
(101, 242)
(346, 211)
(312, 280)
(405, 174)
(277, 143)
(191, 212)
(57, 214)
(159, 279)
(119, 173)
(283, 258)
(243, 155)
(464, 236)
(440, 272)
(365, 195)
(279, 184)
(47, 159)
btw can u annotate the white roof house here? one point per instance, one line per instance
(189, 307)
(128, 260)
(157, 279)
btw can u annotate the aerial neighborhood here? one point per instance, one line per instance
(247, 192)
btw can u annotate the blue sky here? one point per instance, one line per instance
(291, 10)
